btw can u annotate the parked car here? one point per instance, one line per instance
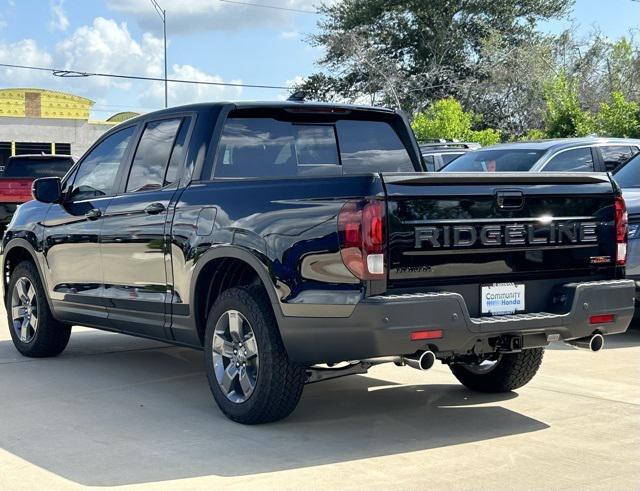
(437, 154)
(628, 178)
(18, 175)
(285, 238)
(565, 155)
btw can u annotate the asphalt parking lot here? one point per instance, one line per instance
(119, 411)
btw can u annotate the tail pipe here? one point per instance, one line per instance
(422, 360)
(594, 343)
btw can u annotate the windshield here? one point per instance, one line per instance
(505, 160)
(628, 176)
(35, 168)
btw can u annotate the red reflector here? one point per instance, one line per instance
(601, 319)
(432, 334)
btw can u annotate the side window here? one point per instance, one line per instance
(68, 183)
(613, 156)
(178, 153)
(152, 156)
(448, 157)
(429, 162)
(97, 173)
(576, 160)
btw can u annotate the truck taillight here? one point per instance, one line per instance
(361, 231)
(622, 230)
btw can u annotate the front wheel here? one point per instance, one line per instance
(34, 330)
(504, 373)
(250, 375)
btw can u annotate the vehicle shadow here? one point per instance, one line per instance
(146, 415)
(627, 339)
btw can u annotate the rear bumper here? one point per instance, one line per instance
(381, 325)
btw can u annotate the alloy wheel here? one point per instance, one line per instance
(235, 356)
(24, 310)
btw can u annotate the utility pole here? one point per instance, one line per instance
(163, 16)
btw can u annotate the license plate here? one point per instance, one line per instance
(502, 299)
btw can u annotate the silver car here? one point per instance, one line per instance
(566, 155)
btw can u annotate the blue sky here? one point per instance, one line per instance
(209, 40)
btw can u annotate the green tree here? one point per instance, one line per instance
(620, 118)
(564, 116)
(447, 119)
(415, 51)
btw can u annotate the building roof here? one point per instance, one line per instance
(123, 116)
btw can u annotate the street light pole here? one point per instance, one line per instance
(166, 84)
(163, 16)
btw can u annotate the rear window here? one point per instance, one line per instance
(628, 176)
(36, 168)
(266, 147)
(507, 160)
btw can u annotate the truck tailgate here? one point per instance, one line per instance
(15, 189)
(456, 228)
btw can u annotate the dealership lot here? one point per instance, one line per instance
(115, 410)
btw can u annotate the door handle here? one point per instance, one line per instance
(154, 209)
(93, 214)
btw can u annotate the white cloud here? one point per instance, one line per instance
(106, 46)
(290, 35)
(59, 20)
(190, 93)
(25, 52)
(204, 15)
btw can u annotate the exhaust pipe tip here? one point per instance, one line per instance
(420, 361)
(427, 360)
(593, 343)
(596, 343)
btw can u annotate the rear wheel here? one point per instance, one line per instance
(34, 330)
(502, 373)
(250, 375)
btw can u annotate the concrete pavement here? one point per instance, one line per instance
(119, 411)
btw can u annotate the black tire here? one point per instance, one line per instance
(512, 371)
(51, 336)
(279, 381)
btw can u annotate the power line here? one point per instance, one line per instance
(274, 7)
(80, 74)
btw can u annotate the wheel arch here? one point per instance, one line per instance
(221, 268)
(15, 252)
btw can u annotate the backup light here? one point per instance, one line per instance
(622, 231)
(361, 231)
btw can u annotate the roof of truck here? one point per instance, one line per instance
(201, 106)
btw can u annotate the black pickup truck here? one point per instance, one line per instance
(296, 242)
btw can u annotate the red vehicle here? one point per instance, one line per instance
(19, 172)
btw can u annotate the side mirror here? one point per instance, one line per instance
(47, 189)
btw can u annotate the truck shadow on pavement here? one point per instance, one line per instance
(107, 414)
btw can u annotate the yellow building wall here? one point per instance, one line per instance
(56, 105)
(12, 103)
